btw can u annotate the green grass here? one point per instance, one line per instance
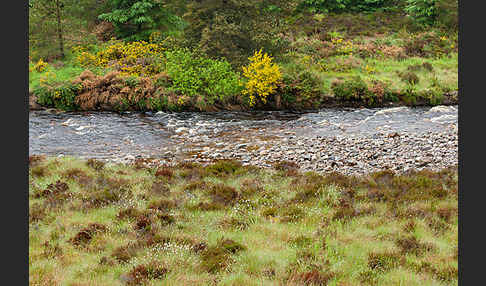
(444, 72)
(62, 71)
(330, 241)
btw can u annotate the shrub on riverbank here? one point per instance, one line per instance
(130, 59)
(262, 76)
(60, 95)
(193, 76)
(253, 226)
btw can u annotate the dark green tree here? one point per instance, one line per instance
(46, 16)
(54, 25)
(233, 29)
(137, 19)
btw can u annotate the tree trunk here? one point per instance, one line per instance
(59, 29)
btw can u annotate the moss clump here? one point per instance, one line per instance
(159, 188)
(85, 235)
(250, 187)
(162, 205)
(223, 168)
(104, 197)
(223, 194)
(143, 223)
(409, 77)
(164, 172)
(165, 219)
(383, 261)
(410, 244)
(129, 212)
(291, 214)
(57, 190)
(270, 212)
(36, 159)
(141, 273)
(97, 165)
(125, 253)
(313, 277)
(218, 257)
(37, 213)
(231, 245)
(215, 259)
(345, 210)
(233, 223)
(307, 192)
(39, 171)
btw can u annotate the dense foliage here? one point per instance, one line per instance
(180, 55)
(326, 6)
(136, 20)
(193, 75)
(232, 29)
(434, 12)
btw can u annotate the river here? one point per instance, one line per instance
(108, 135)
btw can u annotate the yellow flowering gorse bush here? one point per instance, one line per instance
(41, 66)
(343, 47)
(131, 59)
(263, 77)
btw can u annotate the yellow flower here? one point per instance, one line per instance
(263, 77)
(40, 66)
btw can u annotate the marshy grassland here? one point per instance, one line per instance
(98, 223)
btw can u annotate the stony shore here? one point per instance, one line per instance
(346, 155)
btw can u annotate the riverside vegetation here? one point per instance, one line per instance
(213, 54)
(97, 223)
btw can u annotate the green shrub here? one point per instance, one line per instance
(61, 95)
(353, 88)
(337, 6)
(430, 44)
(304, 84)
(158, 103)
(447, 13)
(433, 95)
(194, 75)
(137, 19)
(422, 11)
(410, 94)
(131, 81)
(434, 12)
(409, 77)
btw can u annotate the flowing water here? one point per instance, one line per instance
(108, 135)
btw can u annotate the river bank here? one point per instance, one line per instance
(350, 141)
(326, 102)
